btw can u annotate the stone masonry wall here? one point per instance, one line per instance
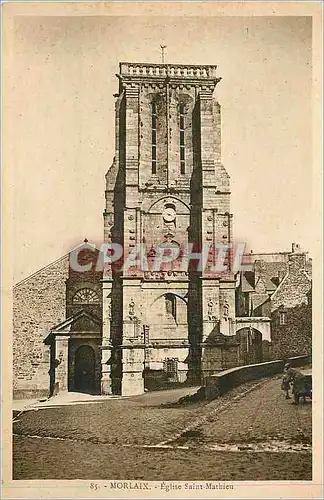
(291, 299)
(39, 304)
(295, 337)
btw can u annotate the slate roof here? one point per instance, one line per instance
(246, 286)
(259, 299)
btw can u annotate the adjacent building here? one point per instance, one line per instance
(279, 287)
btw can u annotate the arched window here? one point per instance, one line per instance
(182, 138)
(86, 296)
(171, 305)
(154, 136)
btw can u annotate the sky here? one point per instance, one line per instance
(62, 107)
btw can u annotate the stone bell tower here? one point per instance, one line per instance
(166, 185)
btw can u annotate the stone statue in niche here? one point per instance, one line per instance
(57, 361)
(226, 309)
(210, 305)
(132, 309)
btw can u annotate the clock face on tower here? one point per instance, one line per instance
(169, 214)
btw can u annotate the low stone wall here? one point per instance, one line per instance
(222, 382)
(32, 394)
(157, 380)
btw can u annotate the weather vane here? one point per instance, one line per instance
(162, 54)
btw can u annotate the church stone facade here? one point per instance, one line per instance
(122, 329)
(166, 185)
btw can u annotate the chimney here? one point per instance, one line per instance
(295, 247)
(297, 261)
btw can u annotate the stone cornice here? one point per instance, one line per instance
(168, 70)
(175, 75)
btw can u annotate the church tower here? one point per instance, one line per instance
(166, 185)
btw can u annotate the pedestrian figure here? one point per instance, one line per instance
(288, 376)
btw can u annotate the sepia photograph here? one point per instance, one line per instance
(162, 264)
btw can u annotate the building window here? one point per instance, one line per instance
(246, 304)
(282, 318)
(171, 366)
(86, 296)
(171, 305)
(154, 137)
(182, 139)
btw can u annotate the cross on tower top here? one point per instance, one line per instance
(162, 52)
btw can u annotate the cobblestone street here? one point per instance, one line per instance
(252, 433)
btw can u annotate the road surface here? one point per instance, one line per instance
(252, 433)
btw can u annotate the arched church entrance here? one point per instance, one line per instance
(250, 346)
(84, 370)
